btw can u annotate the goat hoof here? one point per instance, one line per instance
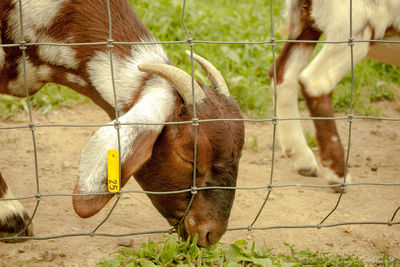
(334, 179)
(311, 171)
(13, 237)
(15, 226)
(288, 153)
(305, 164)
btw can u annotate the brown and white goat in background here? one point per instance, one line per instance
(147, 85)
(372, 20)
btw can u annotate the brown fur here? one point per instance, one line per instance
(331, 153)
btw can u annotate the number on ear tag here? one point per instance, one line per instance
(113, 171)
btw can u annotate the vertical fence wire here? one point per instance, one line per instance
(32, 128)
(117, 127)
(275, 119)
(195, 122)
(350, 117)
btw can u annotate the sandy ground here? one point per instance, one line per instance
(374, 157)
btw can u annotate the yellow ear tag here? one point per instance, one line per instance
(113, 171)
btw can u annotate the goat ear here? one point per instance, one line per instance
(136, 148)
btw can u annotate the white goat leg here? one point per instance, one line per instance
(290, 133)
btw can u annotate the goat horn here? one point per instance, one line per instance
(214, 76)
(178, 78)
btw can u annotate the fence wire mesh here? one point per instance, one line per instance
(269, 186)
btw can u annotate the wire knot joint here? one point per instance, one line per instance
(117, 125)
(195, 122)
(110, 43)
(193, 190)
(22, 45)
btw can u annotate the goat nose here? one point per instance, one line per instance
(208, 233)
(208, 238)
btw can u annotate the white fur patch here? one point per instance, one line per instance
(154, 106)
(332, 178)
(334, 16)
(10, 208)
(36, 15)
(126, 73)
(36, 77)
(39, 15)
(191, 220)
(329, 66)
(293, 14)
(64, 56)
(72, 78)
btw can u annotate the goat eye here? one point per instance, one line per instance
(183, 158)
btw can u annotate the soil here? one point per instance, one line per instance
(374, 157)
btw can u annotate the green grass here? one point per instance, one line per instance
(174, 252)
(373, 82)
(50, 97)
(244, 67)
(311, 141)
(252, 144)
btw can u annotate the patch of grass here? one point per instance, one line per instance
(11, 140)
(174, 252)
(51, 96)
(381, 91)
(388, 261)
(373, 81)
(311, 141)
(252, 144)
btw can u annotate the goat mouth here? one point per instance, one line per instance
(181, 230)
(178, 225)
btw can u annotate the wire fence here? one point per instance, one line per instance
(269, 187)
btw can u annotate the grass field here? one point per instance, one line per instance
(244, 67)
(174, 252)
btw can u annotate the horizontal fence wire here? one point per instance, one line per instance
(185, 42)
(269, 185)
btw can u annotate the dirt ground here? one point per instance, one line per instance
(374, 157)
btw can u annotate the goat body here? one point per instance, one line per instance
(371, 20)
(148, 95)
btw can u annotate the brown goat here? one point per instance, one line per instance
(149, 90)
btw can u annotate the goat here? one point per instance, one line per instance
(372, 20)
(149, 90)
